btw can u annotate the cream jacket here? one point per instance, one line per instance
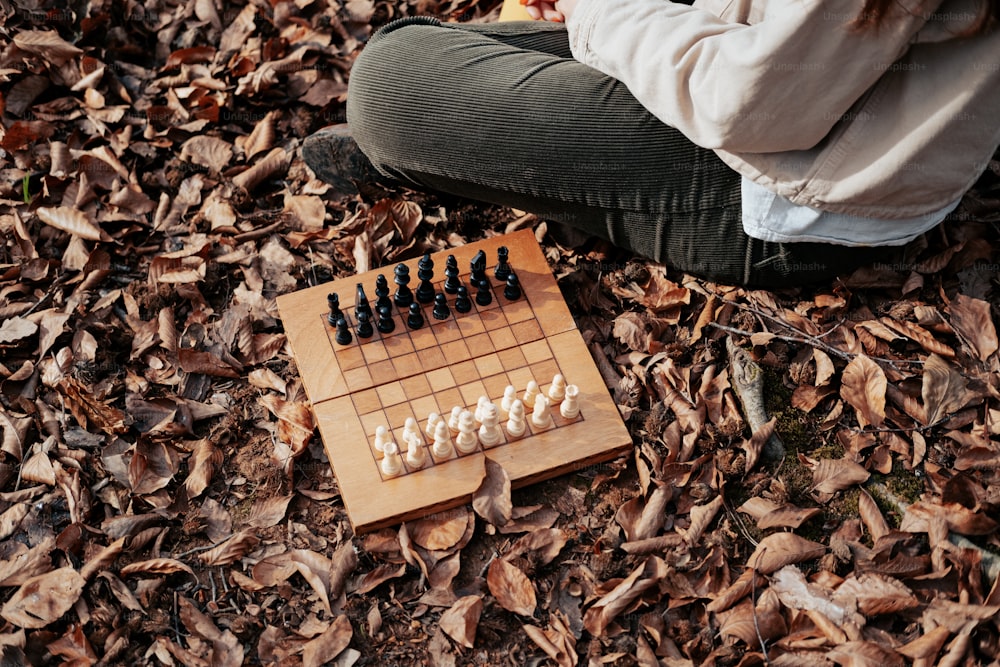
(893, 124)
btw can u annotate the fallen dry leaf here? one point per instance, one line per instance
(42, 599)
(780, 549)
(511, 588)
(863, 386)
(492, 499)
(327, 646)
(461, 620)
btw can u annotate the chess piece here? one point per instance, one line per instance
(530, 392)
(483, 296)
(343, 336)
(540, 416)
(442, 447)
(451, 281)
(425, 271)
(489, 432)
(456, 413)
(463, 303)
(364, 329)
(403, 296)
(381, 437)
(466, 441)
(515, 419)
(415, 320)
(416, 452)
(557, 390)
(512, 290)
(478, 267)
(392, 462)
(509, 396)
(410, 430)
(361, 304)
(432, 421)
(480, 404)
(502, 269)
(385, 323)
(441, 310)
(570, 407)
(333, 301)
(382, 292)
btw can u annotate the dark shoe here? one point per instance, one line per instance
(335, 157)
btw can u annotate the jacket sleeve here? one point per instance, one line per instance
(777, 85)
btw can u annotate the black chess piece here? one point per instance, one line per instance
(441, 310)
(361, 304)
(425, 271)
(502, 269)
(365, 329)
(382, 292)
(416, 318)
(404, 295)
(384, 322)
(478, 267)
(333, 301)
(343, 336)
(512, 291)
(483, 295)
(463, 303)
(451, 281)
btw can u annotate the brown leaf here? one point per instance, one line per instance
(781, 549)
(192, 361)
(47, 44)
(754, 623)
(863, 386)
(441, 531)
(758, 440)
(326, 647)
(102, 559)
(74, 647)
(268, 512)
(878, 594)
(544, 544)
(511, 588)
(270, 165)
(73, 221)
(558, 640)
(492, 499)
(16, 328)
(42, 599)
(972, 319)
(210, 152)
(201, 467)
(230, 551)
(295, 421)
(926, 647)
(833, 475)
(864, 654)
(461, 620)
(921, 335)
(944, 389)
(871, 516)
(224, 648)
(631, 329)
(157, 566)
(648, 575)
(701, 517)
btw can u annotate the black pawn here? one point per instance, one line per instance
(416, 318)
(502, 269)
(333, 300)
(483, 296)
(512, 291)
(441, 310)
(463, 303)
(478, 267)
(451, 282)
(382, 292)
(384, 322)
(404, 295)
(343, 336)
(361, 304)
(425, 271)
(364, 329)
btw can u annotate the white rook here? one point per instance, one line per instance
(570, 407)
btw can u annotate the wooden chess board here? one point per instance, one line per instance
(384, 379)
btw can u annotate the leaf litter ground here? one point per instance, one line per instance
(163, 496)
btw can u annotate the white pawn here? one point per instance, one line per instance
(416, 453)
(466, 441)
(557, 391)
(442, 447)
(490, 433)
(456, 413)
(432, 422)
(381, 438)
(392, 462)
(540, 416)
(480, 404)
(530, 392)
(570, 407)
(515, 421)
(509, 396)
(410, 430)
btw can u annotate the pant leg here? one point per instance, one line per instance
(502, 113)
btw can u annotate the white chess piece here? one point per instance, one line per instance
(466, 441)
(515, 421)
(410, 430)
(530, 392)
(540, 415)
(557, 390)
(392, 462)
(416, 452)
(509, 396)
(570, 406)
(432, 421)
(480, 404)
(381, 437)
(490, 433)
(456, 412)
(442, 447)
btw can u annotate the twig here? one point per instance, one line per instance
(756, 624)
(255, 234)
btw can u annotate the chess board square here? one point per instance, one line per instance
(358, 378)
(495, 384)
(471, 392)
(370, 422)
(416, 386)
(448, 399)
(519, 377)
(374, 351)
(488, 365)
(492, 305)
(465, 372)
(399, 326)
(383, 372)
(518, 311)
(455, 351)
(446, 331)
(366, 401)
(493, 319)
(350, 357)
(511, 359)
(423, 337)
(440, 379)
(391, 393)
(470, 325)
(398, 345)
(526, 331)
(503, 339)
(406, 364)
(543, 372)
(537, 351)
(480, 345)
(422, 407)
(432, 358)
(396, 415)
